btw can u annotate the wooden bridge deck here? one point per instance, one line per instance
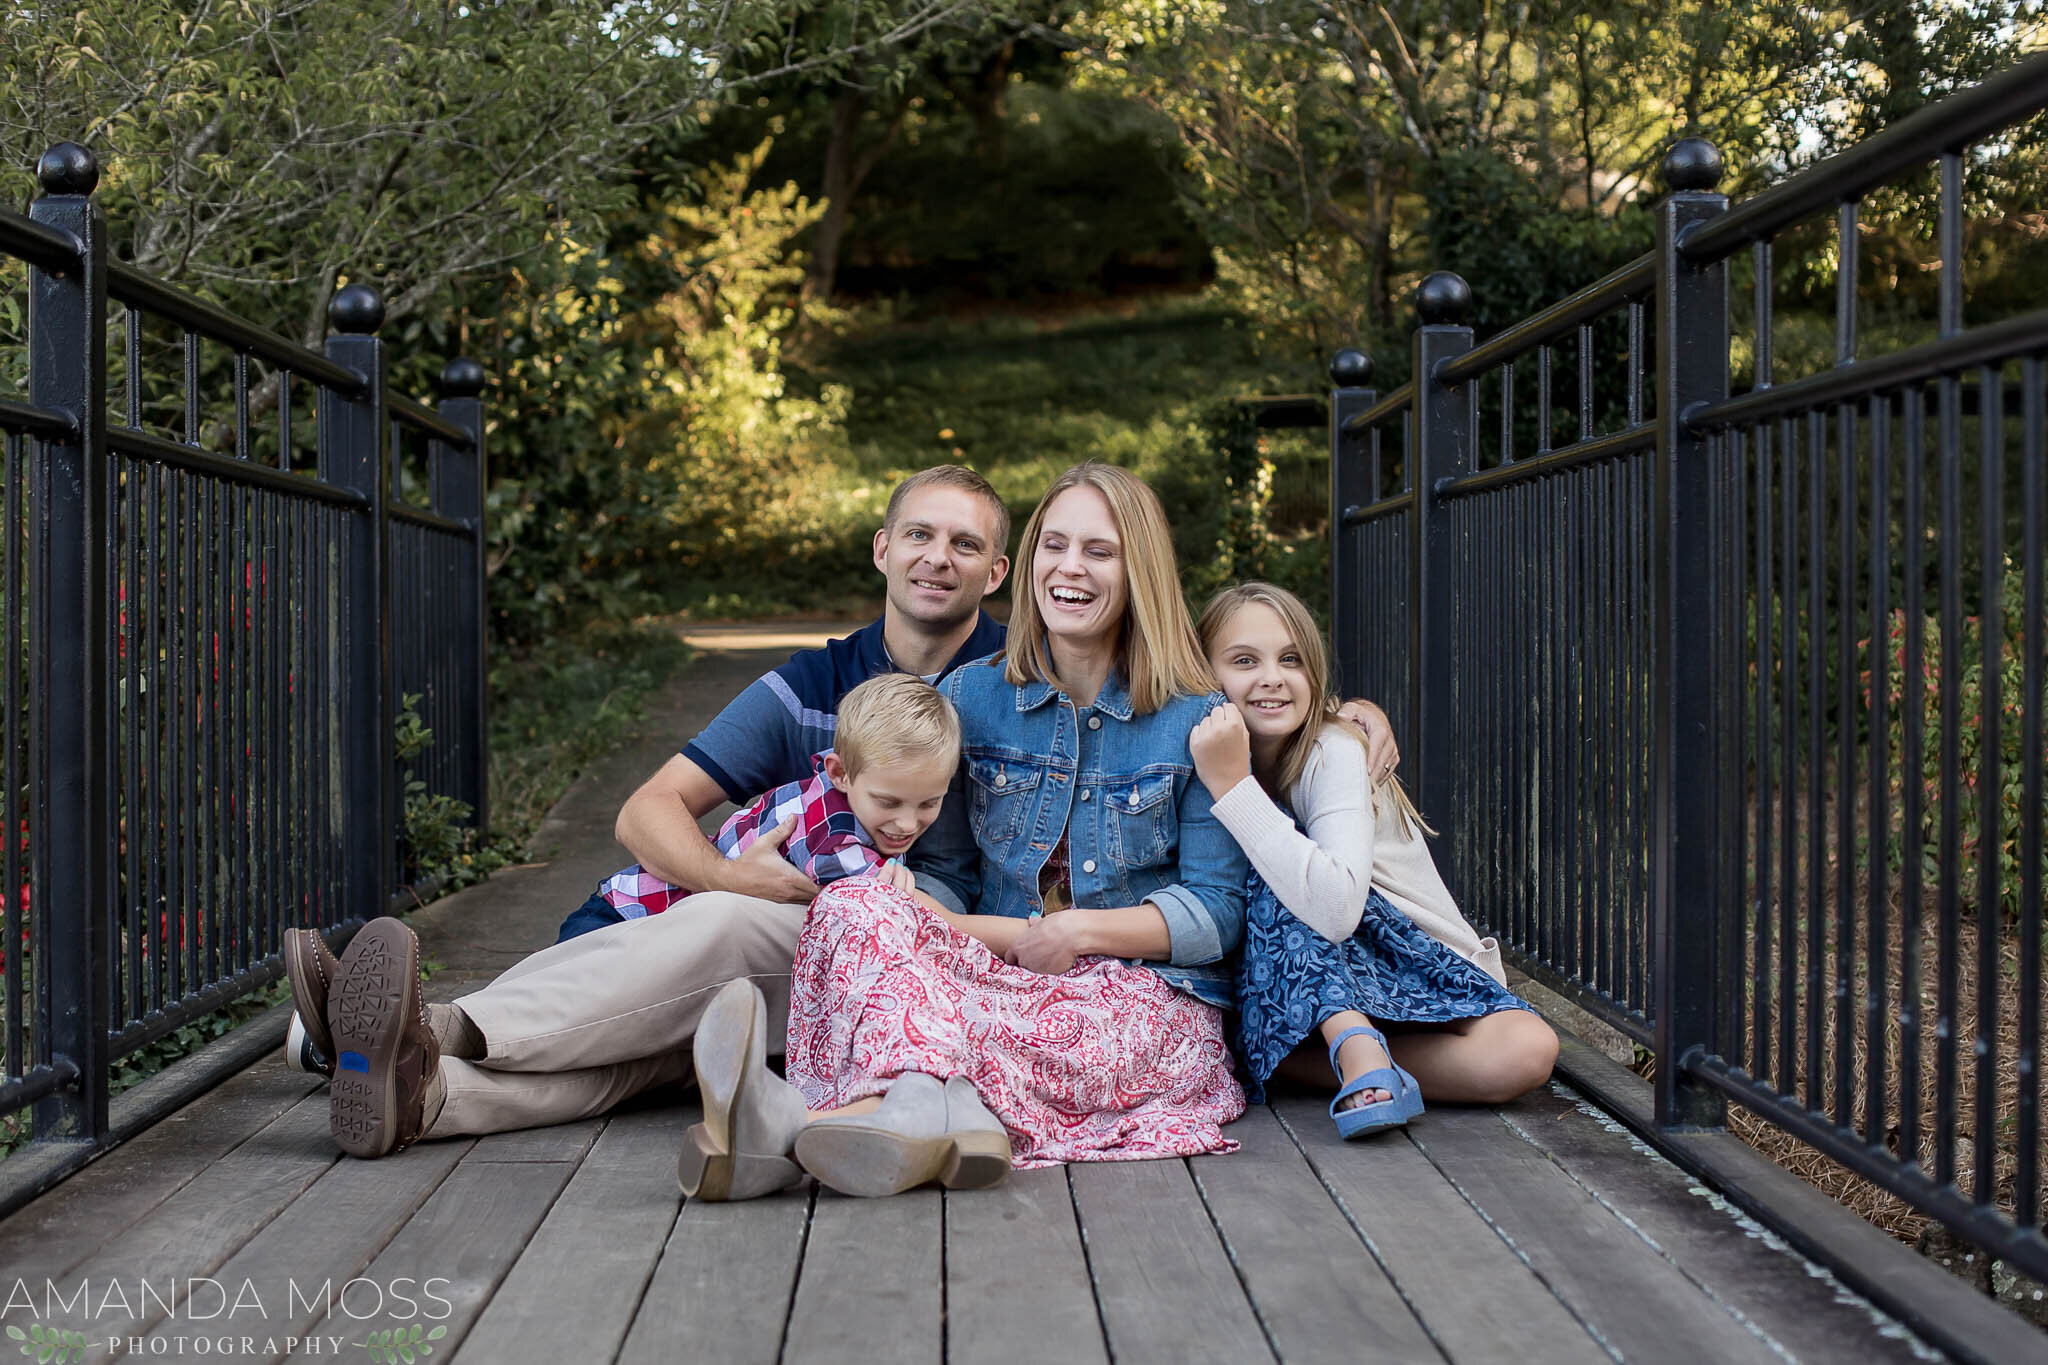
(1535, 1233)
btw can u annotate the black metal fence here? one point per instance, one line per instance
(1730, 704)
(214, 599)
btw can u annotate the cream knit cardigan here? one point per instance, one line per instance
(1324, 875)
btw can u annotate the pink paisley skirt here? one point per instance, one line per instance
(1106, 1063)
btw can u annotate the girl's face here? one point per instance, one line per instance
(1077, 569)
(1259, 667)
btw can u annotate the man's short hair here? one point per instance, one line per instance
(952, 476)
(894, 717)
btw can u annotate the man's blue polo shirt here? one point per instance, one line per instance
(767, 735)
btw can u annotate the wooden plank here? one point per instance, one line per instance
(1165, 1286)
(724, 1283)
(1478, 1300)
(60, 1229)
(1617, 1283)
(196, 1230)
(1944, 1309)
(320, 1241)
(572, 1294)
(560, 1142)
(870, 1287)
(1318, 1291)
(442, 1267)
(1027, 1221)
(1807, 1314)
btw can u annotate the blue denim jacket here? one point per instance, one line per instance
(1124, 790)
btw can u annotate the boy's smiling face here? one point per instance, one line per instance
(895, 802)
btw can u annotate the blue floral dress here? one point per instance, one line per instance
(1291, 978)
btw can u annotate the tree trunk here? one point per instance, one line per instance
(845, 169)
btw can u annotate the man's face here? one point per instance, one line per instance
(940, 558)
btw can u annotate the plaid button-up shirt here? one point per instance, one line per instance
(827, 844)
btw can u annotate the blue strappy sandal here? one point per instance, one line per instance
(1389, 1113)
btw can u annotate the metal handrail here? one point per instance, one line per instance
(145, 445)
(416, 414)
(1639, 276)
(1980, 346)
(1379, 412)
(43, 247)
(34, 421)
(1628, 441)
(151, 295)
(1944, 126)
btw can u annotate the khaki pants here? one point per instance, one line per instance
(577, 1027)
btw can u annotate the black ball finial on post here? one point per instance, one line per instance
(68, 168)
(1351, 368)
(1693, 163)
(357, 310)
(1443, 298)
(462, 378)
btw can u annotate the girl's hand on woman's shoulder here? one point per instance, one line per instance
(1222, 750)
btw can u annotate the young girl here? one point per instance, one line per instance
(1348, 922)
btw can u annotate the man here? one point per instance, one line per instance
(575, 1028)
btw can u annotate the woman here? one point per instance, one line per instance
(1349, 923)
(1079, 900)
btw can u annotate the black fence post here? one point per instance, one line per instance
(352, 435)
(459, 494)
(1685, 889)
(67, 324)
(1440, 448)
(1352, 485)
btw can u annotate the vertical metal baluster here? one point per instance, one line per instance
(1734, 699)
(1585, 381)
(1764, 901)
(1877, 1092)
(1990, 775)
(1507, 413)
(251, 760)
(1636, 368)
(1788, 810)
(127, 1002)
(131, 329)
(1950, 454)
(1912, 764)
(1599, 650)
(1845, 611)
(1816, 759)
(2034, 505)
(191, 388)
(1542, 399)
(19, 700)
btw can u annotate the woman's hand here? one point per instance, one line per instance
(897, 875)
(1222, 750)
(1382, 755)
(1048, 944)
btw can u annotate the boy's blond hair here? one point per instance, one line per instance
(891, 718)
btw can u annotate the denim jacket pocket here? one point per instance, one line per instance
(1141, 809)
(1000, 792)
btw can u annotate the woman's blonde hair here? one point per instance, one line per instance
(1322, 701)
(1156, 649)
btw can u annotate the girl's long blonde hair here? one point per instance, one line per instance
(1322, 701)
(1156, 649)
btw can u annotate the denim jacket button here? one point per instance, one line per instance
(1002, 780)
(1086, 794)
(1095, 722)
(1088, 866)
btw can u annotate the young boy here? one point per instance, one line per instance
(867, 800)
